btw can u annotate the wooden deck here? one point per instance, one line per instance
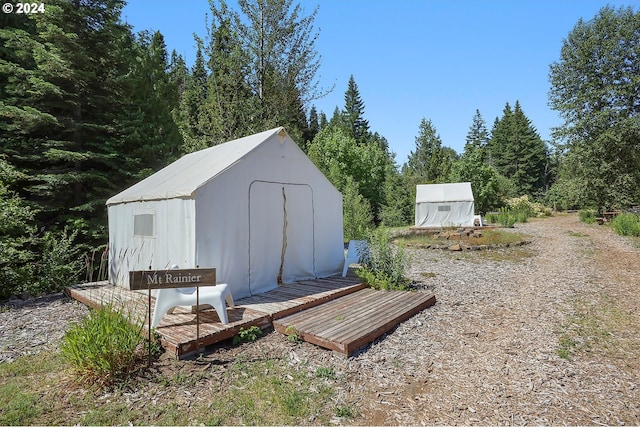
(308, 306)
(348, 323)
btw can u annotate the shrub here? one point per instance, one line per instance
(506, 217)
(587, 215)
(102, 349)
(247, 335)
(60, 265)
(627, 224)
(385, 265)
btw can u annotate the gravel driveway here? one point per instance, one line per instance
(487, 352)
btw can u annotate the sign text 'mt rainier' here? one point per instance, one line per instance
(164, 279)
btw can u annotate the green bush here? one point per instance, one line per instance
(627, 224)
(247, 335)
(385, 265)
(506, 217)
(587, 215)
(103, 348)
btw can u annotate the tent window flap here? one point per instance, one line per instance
(444, 208)
(143, 225)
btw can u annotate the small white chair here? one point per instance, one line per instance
(355, 252)
(215, 296)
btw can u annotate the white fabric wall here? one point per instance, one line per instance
(223, 221)
(172, 241)
(460, 214)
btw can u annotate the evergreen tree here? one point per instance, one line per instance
(428, 163)
(59, 132)
(192, 114)
(353, 114)
(152, 139)
(230, 109)
(314, 126)
(17, 227)
(517, 151)
(477, 137)
(398, 205)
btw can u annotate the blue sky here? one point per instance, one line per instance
(414, 59)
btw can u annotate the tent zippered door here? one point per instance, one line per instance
(281, 234)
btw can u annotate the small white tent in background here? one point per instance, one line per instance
(257, 209)
(444, 205)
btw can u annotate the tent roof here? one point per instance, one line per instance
(183, 177)
(435, 193)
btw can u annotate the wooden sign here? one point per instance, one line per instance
(166, 279)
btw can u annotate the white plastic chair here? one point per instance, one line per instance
(215, 296)
(356, 251)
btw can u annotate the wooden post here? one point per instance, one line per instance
(172, 279)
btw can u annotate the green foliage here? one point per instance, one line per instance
(322, 372)
(626, 224)
(587, 215)
(385, 265)
(60, 266)
(353, 114)
(247, 335)
(399, 204)
(517, 151)
(429, 162)
(16, 231)
(293, 335)
(346, 411)
(102, 349)
(526, 206)
(339, 157)
(357, 217)
(594, 87)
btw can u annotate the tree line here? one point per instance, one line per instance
(87, 108)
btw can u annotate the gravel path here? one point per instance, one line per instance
(486, 353)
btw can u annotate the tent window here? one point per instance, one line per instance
(444, 208)
(143, 225)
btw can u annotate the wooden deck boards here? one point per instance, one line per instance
(338, 313)
(178, 330)
(350, 322)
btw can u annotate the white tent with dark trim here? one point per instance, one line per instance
(444, 205)
(256, 209)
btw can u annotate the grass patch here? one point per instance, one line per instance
(488, 237)
(599, 324)
(627, 224)
(576, 234)
(37, 390)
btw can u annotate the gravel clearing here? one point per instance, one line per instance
(486, 354)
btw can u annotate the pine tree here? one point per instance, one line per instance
(152, 139)
(230, 109)
(191, 106)
(60, 133)
(517, 151)
(478, 136)
(353, 114)
(428, 163)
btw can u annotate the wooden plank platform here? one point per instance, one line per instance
(178, 330)
(352, 321)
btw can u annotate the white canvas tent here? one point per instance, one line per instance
(444, 205)
(255, 208)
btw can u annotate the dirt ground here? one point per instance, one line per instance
(547, 333)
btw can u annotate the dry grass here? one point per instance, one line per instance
(488, 237)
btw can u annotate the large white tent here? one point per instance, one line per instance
(257, 209)
(444, 205)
